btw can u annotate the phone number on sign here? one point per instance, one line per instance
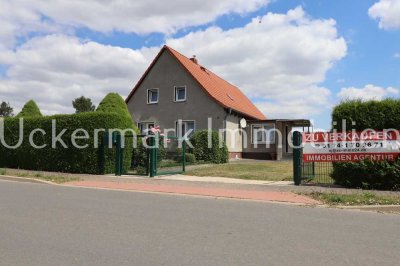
(350, 146)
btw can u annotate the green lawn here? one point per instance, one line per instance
(356, 199)
(58, 178)
(266, 170)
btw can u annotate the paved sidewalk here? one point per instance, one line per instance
(277, 196)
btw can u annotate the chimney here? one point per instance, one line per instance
(194, 59)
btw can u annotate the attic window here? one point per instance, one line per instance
(180, 93)
(230, 97)
(152, 96)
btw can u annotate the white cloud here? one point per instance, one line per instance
(19, 17)
(280, 61)
(55, 69)
(369, 92)
(396, 55)
(387, 12)
(18, 20)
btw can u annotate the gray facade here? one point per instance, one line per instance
(164, 76)
(280, 148)
(167, 73)
(277, 150)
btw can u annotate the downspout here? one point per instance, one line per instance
(229, 112)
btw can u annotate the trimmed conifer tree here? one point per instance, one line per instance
(30, 109)
(113, 102)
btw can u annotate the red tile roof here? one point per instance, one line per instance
(224, 93)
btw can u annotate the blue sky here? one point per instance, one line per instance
(294, 59)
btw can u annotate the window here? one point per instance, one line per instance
(263, 134)
(152, 96)
(180, 94)
(185, 127)
(144, 127)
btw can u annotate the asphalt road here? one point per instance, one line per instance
(54, 225)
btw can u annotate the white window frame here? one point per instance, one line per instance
(147, 123)
(175, 94)
(184, 122)
(148, 96)
(271, 126)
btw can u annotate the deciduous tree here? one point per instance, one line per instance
(83, 105)
(6, 110)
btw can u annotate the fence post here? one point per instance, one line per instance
(297, 160)
(152, 156)
(121, 161)
(156, 147)
(102, 153)
(148, 154)
(117, 154)
(184, 156)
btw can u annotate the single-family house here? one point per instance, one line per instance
(178, 93)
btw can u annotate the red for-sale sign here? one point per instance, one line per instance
(351, 146)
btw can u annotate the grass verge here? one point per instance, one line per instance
(56, 178)
(356, 199)
(173, 163)
(266, 170)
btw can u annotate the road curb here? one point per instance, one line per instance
(25, 180)
(370, 206)
(394, 209)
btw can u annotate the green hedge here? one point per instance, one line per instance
(111, 114)
(376, 115)
(72, 160)
(368, 175)
(215, 154)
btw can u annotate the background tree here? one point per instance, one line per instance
(83, 104)
(6, 110)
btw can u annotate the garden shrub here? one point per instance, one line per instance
(377, 115)
(190, 158)
(141, 156)
(224, 154)
(30, 109)
(202, 152)
(140, 159)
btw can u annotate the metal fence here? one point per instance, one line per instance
(160, 156)
(171, 156)
(309, 172)
(317, 173)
